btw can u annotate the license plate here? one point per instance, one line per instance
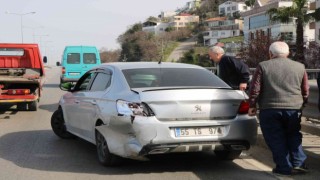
(203, 131)
(74, 74)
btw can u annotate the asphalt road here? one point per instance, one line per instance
(183, 47)
(30, 150)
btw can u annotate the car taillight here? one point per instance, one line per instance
(18, 91)
(244, 107)
(133, 109)
(63, 70)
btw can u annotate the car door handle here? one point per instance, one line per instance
(93, 102)
(77, 101)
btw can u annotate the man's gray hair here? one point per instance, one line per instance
(279, 49)
(217, 49)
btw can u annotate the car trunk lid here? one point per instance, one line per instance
(175, 104)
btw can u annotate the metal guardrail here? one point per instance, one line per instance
(311, 111)
(312, 73)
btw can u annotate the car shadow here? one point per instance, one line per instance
(49, 107)
(51, 86)
(42, 150)
(6, 111)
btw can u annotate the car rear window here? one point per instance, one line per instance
(89, 58)
(172, 77)
(73, 58)
(11, 52)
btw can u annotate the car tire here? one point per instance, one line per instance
(33, 106)
(22, 106)
(228, 155)
(58, 125)
(104, 156)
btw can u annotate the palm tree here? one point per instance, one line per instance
(298, 11)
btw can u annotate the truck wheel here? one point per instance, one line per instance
(33, 106)
(58, 125)
(105, 157)
(22, 106)
(228, 155)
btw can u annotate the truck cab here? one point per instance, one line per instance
(77, 60)
(21, 75)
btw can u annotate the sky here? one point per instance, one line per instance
(58, 23)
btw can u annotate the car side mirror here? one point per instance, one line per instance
(68, 86)
(58, 63)
(45, 59)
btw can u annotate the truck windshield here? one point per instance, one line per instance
(11, 52)
(73, 58)
(172, 77)
(89, 58)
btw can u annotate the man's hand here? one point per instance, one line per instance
(252, 111)
(243, 86)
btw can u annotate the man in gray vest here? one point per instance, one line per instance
(280, 88)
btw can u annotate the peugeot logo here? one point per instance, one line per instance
(198, 108)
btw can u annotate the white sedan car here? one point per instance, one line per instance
(132, 110)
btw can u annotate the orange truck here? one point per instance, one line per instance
(21, 75)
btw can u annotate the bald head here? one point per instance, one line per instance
(279, 49)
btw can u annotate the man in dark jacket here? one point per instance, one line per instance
(232, 71)
(280, 87)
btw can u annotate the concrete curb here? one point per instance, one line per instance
(305, 127)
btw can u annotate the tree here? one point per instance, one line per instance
(250, 3)
(298, 10)
(110, 55)
(256, 50)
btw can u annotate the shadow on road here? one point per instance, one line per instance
(6, 111)
(49, 107)
(42, 150)
(51, 86)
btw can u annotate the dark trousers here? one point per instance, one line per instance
(281, 131)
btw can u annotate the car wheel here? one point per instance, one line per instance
(105, 157)
(228, 155)
(33, 106)
(22, 106)
(58, 125)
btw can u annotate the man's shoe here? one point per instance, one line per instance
(281, 174)
(301, 170)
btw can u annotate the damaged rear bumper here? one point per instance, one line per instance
(147, 135)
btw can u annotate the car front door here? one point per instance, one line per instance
(73, 102)
(92, 101)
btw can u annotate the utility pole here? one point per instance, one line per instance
(21, 20)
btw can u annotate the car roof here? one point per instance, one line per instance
(142, 65)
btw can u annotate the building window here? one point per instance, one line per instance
(259, 21)
(234, 7)
(181, 24)
(251, 35)
(222, 10)
(228, 8)
(245, 8)
(269, 32)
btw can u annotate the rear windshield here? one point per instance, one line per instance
(89, 58)
(73, 58)
(11, 52)
(172, 77)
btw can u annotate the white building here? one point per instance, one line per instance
(228, 8)
(183, 20)
(257, 21)
(317, 31)
(155, 27)
(168, 14)
(221, 27)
